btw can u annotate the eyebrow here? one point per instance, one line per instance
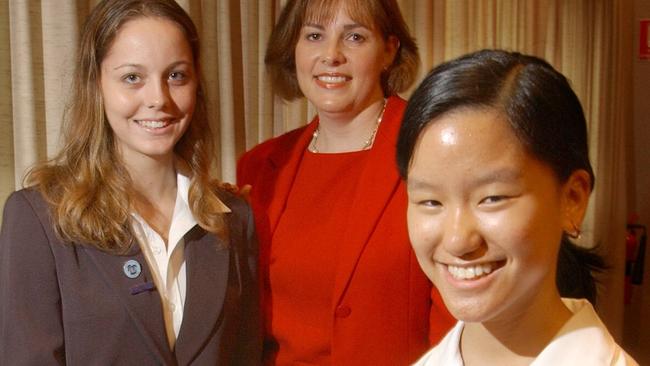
(125, 65)
(345, 27)
(505, 175)
(171, 66)
(418, 184)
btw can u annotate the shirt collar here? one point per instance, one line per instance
(584, 330)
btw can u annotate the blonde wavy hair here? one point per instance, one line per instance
(86, 184)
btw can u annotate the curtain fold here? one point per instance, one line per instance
(588, 40)
(7, 163)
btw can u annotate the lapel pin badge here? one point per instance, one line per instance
(132, 268)
(147, 286)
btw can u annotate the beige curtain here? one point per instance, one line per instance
(588, 40)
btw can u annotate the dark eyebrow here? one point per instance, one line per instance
(171, 66)
(505, 175)
(345, 27)
(180, 62)
(354, 26)
(314, 25)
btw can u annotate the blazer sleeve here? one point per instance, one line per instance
(249, 349)
(31, 330)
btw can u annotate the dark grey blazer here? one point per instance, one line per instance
(74, 305)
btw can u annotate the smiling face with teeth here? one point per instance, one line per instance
(148, 86)
(485, 217)
(339, 64)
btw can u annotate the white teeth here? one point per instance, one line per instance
(468, 273)
(487, 268)
(331, 79)
(152, 124)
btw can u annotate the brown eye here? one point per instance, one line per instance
(313, 37)
(493, 199)
(131, 78)
(356, 37)
(430, 203)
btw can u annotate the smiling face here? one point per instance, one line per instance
(339, 64)
(148, 85)
(485, 217)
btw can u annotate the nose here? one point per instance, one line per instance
(157, 94)
(332, 55)
(461, 238)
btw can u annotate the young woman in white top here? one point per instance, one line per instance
(494, 152)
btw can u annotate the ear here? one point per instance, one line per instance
(392, 46)
(575, 197)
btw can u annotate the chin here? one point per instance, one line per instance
(331, 107)
(468, 310)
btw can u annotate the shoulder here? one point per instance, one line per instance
(250, 163)
(391, 121)
(583, 339)
(395, 107)
(273, 145)
(237, 205)
(240, 223)
(27, 201)
(240, 218)
(27, 228)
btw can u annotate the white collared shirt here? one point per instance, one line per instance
(583, 340)
(167, 263)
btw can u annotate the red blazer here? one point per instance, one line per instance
(384, 309)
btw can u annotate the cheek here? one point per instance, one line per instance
(118, 103)
(524, 235)
(370, 64)
(185, 99)
(302, 59)
(423, 233)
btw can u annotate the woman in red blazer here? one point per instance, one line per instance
(341, 285)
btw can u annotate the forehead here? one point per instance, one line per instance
(467, 141)
(152, 35)
(363, 12)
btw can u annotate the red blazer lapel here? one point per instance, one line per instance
(283, 165)
(378, 183)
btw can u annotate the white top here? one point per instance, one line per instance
(583, 340)
(167, 263)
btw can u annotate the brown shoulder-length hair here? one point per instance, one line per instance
(383, 15)
(86, 184)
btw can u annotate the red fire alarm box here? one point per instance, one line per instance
(644, 39)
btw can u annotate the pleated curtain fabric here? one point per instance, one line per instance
(588, 40)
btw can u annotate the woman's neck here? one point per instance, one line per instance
(518, 338)
(344, 133)
(154, 190)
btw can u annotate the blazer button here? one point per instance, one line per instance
(342, 311)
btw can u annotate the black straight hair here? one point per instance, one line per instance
(543, 112)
